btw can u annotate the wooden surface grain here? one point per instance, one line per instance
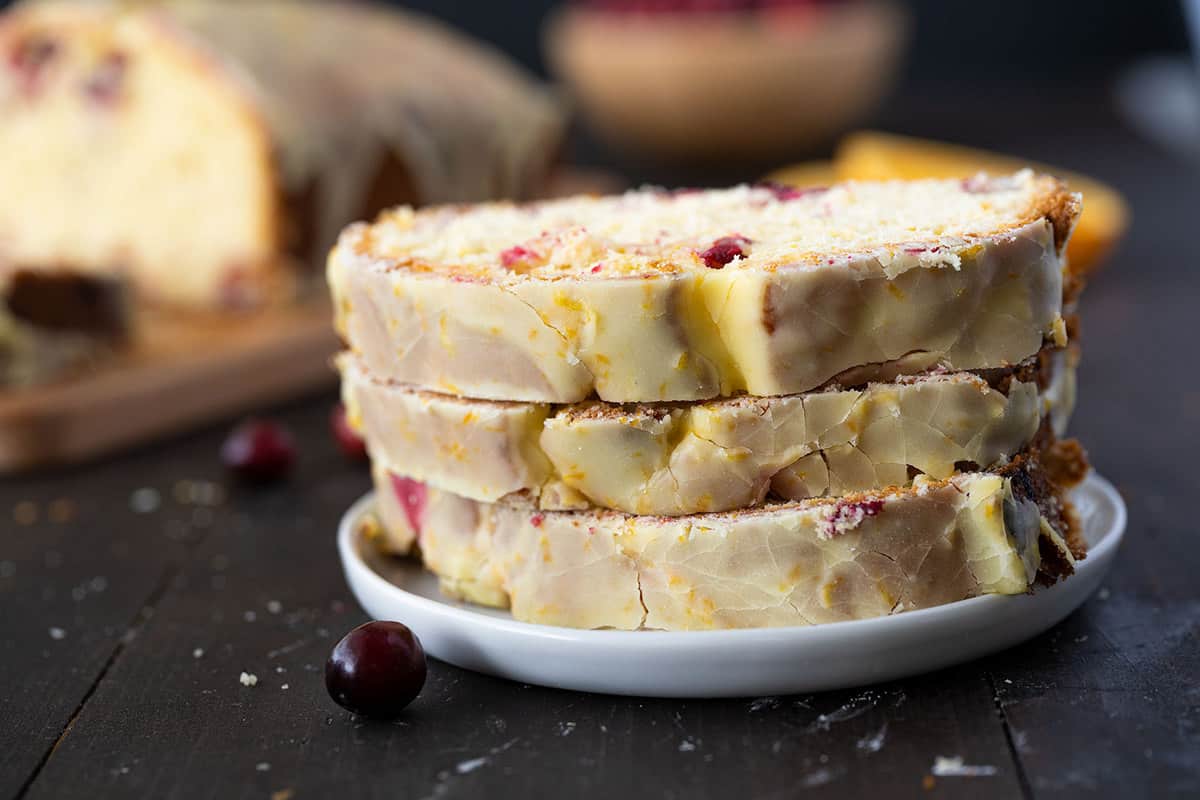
(137, 694)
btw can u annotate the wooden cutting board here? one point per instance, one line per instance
(179, 372)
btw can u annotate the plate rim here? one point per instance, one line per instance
(455, 611)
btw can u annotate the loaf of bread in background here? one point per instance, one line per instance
(210, 150)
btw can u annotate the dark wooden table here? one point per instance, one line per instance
(134, 592)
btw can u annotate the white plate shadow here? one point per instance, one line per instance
(727, 663)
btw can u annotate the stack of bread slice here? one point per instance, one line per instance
(697, 409)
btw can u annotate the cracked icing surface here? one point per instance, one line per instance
(682, 459)
(780, 565)
(816, 294)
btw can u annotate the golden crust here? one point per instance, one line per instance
(1059, 205)
(1066, 462)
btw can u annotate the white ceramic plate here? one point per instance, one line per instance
(728, 663)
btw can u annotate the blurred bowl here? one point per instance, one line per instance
(726, 86)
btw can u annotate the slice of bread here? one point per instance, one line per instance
(672, 459)
(205, 148)
(655, 295)
(816, 561)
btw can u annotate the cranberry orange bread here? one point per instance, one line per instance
(716, 455)
(863, 555)
(655, 295)
(205, 147)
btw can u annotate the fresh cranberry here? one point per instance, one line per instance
(103, 86)
(376, 670)
(847, 516)
(976, 184)
(348, 440)
(259, 451)
(412, 496)
(783, 192)
(30, 59)
(724, 250)
(238, 289)
(516, 255)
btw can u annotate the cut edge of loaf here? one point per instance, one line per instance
(366, 243)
